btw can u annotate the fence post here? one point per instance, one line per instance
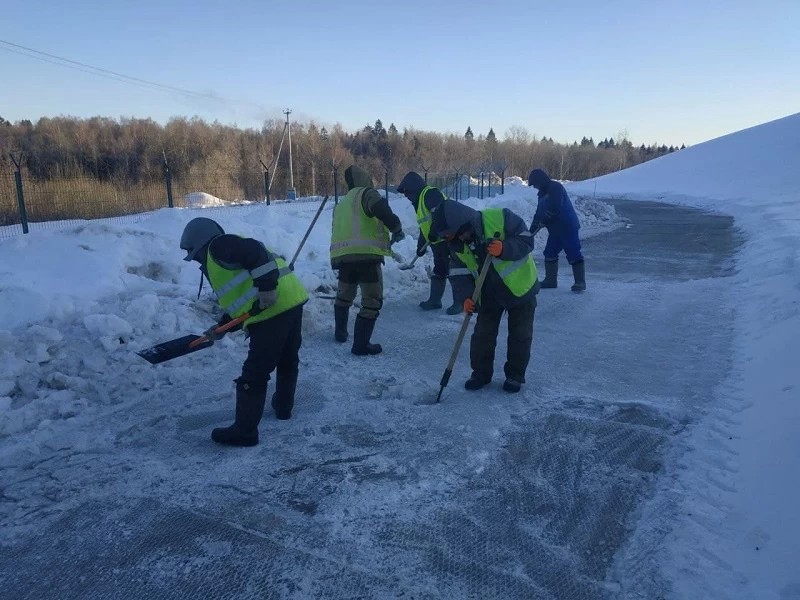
(23, 213)
(266, 181)
(457, 185)
(502, 182)
(386, 184)
(335, 186)
(168, 181)
(490, 185)
(426, 176)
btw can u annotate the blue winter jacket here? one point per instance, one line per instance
(554, 209)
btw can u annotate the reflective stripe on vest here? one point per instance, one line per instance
(356, 233)
(519, 276)
(460, 271)
(237, 294)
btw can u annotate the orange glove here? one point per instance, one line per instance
(469, 306)
(495, 248)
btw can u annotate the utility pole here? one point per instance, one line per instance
(291, 193)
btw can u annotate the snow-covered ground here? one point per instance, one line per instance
(649, 455)
(737, 533)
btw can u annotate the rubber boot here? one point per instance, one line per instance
(361, 334)
(437, 291)
(579, 272)
(340, 314)
(249, 409)
(283, 398)
(550, 280)
(476, 382)
(457, 307)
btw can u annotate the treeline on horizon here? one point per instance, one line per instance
(133, 151)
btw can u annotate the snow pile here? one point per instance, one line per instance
(737, 527)
(749, 166)
(202, 200)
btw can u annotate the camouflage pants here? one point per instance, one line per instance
(368, 277)
(520, 338)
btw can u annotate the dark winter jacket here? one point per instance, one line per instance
(454, 218)
(375, 206)
(413, 184)
(234, 252)
(554, 209)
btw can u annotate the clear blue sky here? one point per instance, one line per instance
(668, 71)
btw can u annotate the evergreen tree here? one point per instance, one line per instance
(469, 135)
(491, 137)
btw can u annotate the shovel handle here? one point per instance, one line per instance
(476, 294)
(221, 329)
(308, 232)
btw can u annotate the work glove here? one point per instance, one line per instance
(421, 251)
(397, 237)
(212, 334)
(536, 227)
(495, 248)
(469, 306)
(267, 299)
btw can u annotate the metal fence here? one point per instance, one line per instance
(27, 204)
(459, 186)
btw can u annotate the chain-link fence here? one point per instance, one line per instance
(460, 186)
(28, 204)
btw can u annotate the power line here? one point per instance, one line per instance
(53, 62)
(109, 74)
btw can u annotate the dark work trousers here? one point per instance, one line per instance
(367, 276)
(484, 338)
(569, 241)
(275, 346)
(441, 260)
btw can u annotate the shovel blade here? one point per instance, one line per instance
(172, 349)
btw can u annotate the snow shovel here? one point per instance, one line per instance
(308, 232)
(464, 326)
(186, 344)
(411, 264)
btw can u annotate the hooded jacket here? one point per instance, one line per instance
(452, 219)
(234, 252)
(374, 206)
(413, 184)
(554, 209)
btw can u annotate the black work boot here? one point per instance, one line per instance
(457, 307)
(437, 291)
(512, 386)
(249, 409)
(579, 272)
(361, 334)
(476, 382)
(550, 280)
(340, 314)
(283, 398)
